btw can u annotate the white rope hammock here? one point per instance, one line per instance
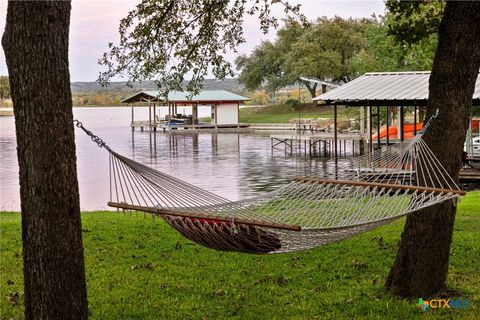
(306, 213)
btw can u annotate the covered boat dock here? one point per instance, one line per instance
(390, 93)
(395, 91)
(224, 109)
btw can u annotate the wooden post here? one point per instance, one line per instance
(133, 118)
(335, 135)
(415, 120)
(388, 125)
(149, 113)
(398, 122)
(155, 143)
(370, 133)
(155, 113)
(402, 129)
(133, 142)
(378, 128)
(361, 119)
(194, 113)
(421, 114)
(215, 106)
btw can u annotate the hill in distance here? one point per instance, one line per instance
(123, 89)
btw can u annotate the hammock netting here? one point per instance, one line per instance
(308, 212)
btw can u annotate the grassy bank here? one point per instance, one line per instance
(138, 269)
(285, 112)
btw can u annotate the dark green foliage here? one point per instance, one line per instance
(385, 53)
(325, 49)
(413, 21)
(476, 111)
(4, 87)
(267, 65)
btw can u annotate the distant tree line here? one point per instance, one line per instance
(107, 98)
(4, 87)
(97, 99)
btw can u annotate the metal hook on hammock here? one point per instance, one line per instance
(94, 138)
(425, 127)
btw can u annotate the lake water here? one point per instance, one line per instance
(233, 165)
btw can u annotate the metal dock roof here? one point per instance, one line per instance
(204, 96)
(386, 88)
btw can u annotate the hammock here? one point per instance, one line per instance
(308, 212)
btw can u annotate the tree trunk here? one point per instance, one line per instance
(421, 265)
(311, 88)
(36, 50)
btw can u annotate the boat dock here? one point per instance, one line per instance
(205, 127)
(6, 111)
(314, 144)
(286, 127)
(469, 175)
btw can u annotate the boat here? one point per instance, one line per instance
(408, 131)
(473, 148)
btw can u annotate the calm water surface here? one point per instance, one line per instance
(232, 165)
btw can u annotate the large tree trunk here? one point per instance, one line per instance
(36, 49)
(421, 265)
(312, 88)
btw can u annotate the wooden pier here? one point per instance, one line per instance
(164, 126)
(469, 175)
(303, 127)
(313, 144)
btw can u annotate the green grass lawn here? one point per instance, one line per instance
(285, 112)
(139, 269)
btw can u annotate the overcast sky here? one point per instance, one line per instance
(94, 24)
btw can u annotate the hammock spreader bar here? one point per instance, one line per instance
(250, 222)
(387, 186)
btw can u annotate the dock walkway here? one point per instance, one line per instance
(315, 142)
(164, 126)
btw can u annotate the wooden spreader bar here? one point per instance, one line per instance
(412, 189)
(250, 222)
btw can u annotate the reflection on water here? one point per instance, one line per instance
(232, 165)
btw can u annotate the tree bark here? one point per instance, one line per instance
(311, 88)
(421, 265)
(36, 49)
